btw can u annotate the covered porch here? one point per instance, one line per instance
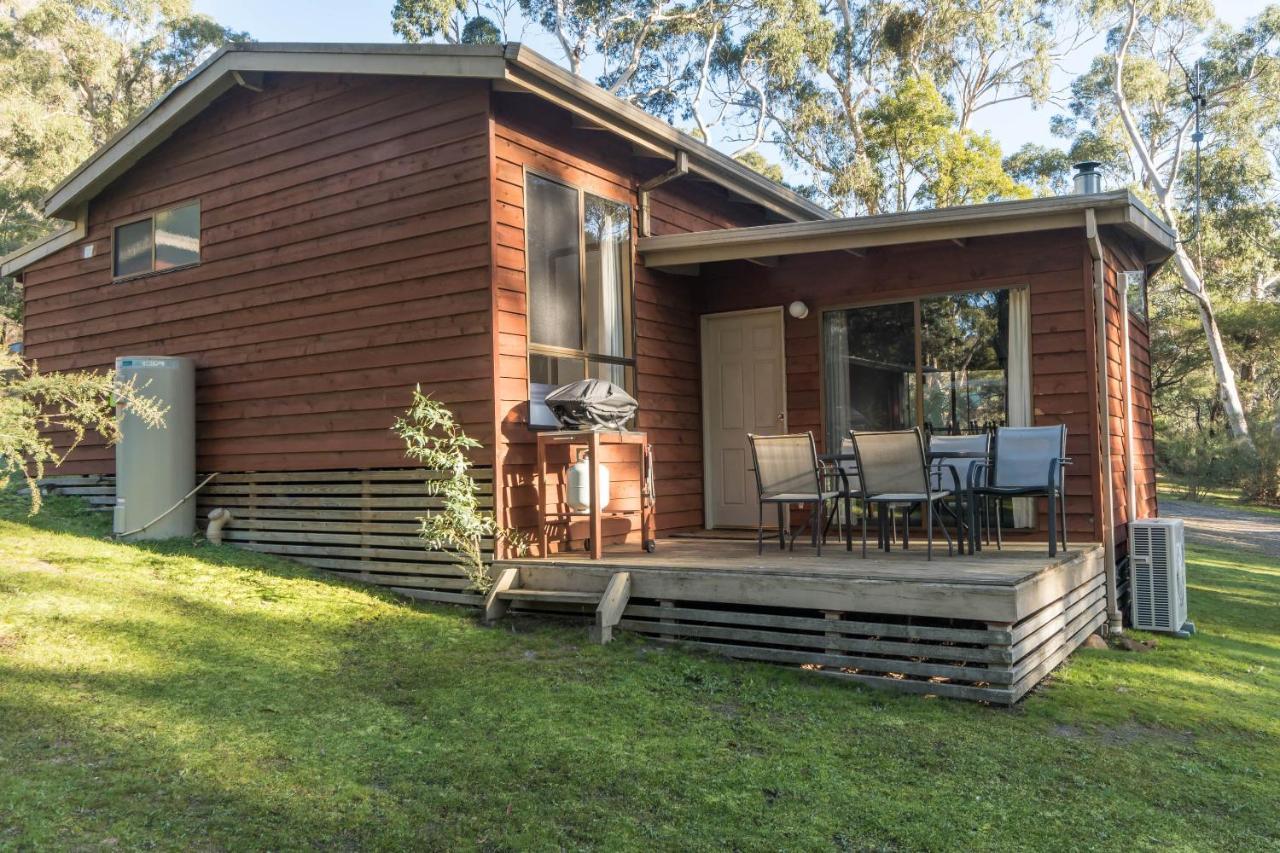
(983, 627)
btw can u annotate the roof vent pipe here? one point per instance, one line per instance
(1088, 179)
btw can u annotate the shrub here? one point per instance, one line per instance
(35, 406)
(433, 438)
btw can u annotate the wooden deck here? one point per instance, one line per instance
(985, 627)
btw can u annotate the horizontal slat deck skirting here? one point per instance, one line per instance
(956, 656)
(360, 538)
(361, 525)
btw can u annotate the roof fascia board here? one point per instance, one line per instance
(896, 229)
(711, 251)
(14, 262)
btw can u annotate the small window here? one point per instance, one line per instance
(1136, 281)
(580, 290)
(168, 240)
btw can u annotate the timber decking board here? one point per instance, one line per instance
(992, 587)
(1010, 568)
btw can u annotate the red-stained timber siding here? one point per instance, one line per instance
(530, 135)
(361, 235)
(345, 257)
(1121, 256)
(1051, 264)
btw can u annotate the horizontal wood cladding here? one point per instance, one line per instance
(528, 134)
(1121, 255)
(345, 256)
(1050, 263)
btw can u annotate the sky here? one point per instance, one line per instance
(1012, 124)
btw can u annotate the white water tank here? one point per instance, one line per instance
(156, 466)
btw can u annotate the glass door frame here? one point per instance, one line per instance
(918, 325)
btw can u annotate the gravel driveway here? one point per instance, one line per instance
(1238, 529)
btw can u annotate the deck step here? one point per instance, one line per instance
(550, 596)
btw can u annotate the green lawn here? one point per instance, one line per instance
(179, 697)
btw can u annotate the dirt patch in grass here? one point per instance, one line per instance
(1127, 734)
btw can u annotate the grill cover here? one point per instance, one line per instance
(592, 404)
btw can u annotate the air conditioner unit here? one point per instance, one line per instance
(1158, 576)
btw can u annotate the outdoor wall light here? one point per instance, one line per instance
(798, 310)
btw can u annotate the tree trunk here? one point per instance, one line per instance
(1228, 392)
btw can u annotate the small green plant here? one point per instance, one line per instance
(433, 438)
(35, 406)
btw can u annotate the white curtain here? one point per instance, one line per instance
(1019, 399)
(611, 288)
(835, 360)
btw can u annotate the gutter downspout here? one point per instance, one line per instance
(1130, 477)
(680, 169)
(1115, 622)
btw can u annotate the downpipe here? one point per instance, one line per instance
(1115, 621)
(679, 170)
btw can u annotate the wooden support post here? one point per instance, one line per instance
(494, 607)
(596, 526)
(832, 616)
(612, 603)
(543, 545)
(666, 605)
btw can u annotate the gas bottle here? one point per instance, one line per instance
(580, 484)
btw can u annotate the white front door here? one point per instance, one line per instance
(743, 391)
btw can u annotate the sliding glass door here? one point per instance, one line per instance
(965, 361)
(957, 363)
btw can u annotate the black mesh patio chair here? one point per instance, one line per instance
(1026, 462)
(788, 472)
(955, 469)
(895, 472)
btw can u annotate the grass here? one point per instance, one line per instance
(1174, 489)
(182, 696)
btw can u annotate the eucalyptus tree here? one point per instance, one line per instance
(1139, 98)
(74, 73)
(972, 54)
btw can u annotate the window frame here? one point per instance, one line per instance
(918, 326)
(586, 357)
(151, 218)
(1142, 311)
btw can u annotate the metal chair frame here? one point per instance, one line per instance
(929, 495)
(1054, 489)
(815, 501)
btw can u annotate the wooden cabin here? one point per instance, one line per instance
(321, 227)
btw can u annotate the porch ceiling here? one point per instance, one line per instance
(1121, 210)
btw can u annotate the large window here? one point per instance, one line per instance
(580, 293)
(164, 241)
(958, 363)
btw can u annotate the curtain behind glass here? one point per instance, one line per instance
(555, 291)
(607, 227)
(1024, 514)
(835, 379)
(869, 374)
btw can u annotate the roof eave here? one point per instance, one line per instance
(21, 258)
(537, 74)
(1117, 209)
(511, 63)
(219, 73)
